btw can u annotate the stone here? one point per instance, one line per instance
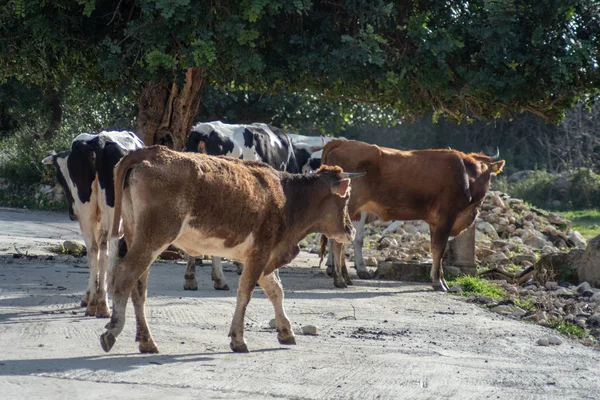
(594, 320)
(554, 340)
(509, 310)
(551, 285)
(595, 297)
(488, 229)
(393, 227)
(562, 267)
(583, 286)
(387, 242)
(590, 263)
(496, 259)
(578, 239)
(522, 258)
(543, 342)
(310, 330)
(371, 261)
(456, 289)
(273, 323)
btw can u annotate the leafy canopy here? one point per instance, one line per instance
(481, 58)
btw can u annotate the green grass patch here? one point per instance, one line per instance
(567, 328)
(524, 304)
(478, 286)
(587, 222)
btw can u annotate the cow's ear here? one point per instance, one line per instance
(341, 187)
(497, 167)
(48, 160)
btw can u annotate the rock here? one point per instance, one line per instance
(386, 242)
(590, 266)
(595, 297)
(310, 330)
(594, 320)
(522, 258)
(554, 340)
(371, 261)
(272, 323)
(488, 229)
(496, 259)
(556, 219)
(578, 239)
(551, 285)
(534, 239)
(564, 292)
(539, 317)
(543, 342)
(509, 310)
(561, 267)
(392, 227)
(583, 286)
(456, 289)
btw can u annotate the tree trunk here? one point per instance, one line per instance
(53, 99)
(166, 111)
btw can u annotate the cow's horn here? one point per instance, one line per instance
(497, 155)
(350, 175)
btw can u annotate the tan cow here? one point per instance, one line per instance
(243, 210)
(442, 187)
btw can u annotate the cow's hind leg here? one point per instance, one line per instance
(190, 274)
(340, 272)
(272, 287)
(138, 298)
(252, 271)
(127, 273)
(218, 277)
(439, 239)
(102, 310)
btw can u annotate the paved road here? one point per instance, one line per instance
(377, 340)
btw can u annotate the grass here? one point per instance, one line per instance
(474, 285)
(524, 304)
(567, 328)
(587, 222)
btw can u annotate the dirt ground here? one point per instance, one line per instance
(377, 340)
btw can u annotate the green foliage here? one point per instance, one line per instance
(462, 60)
(575, 190)
(567, 328)
(524, 304)
(586, 222)
(478, 286)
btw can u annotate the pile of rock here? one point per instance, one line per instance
(508, 232)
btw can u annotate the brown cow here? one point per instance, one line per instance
(243, 210)
(442, 187)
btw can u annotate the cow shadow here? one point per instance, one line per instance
(114, 363)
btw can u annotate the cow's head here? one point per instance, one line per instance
(335, 222)
(59, 161)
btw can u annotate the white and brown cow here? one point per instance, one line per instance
(242, 210)
(86, 175)
(254, 142)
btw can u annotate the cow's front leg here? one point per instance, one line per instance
(92, 289)
(190, 274)
(248, 280)
(359, 261)
(439, 238)
(339, 280)
(218, 277)
(274, 290)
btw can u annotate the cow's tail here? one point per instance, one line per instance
(120, 174)
(322, 249)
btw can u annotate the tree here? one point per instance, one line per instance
(475, 59)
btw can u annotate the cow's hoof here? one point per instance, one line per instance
(220, 285)
(148, 347)
(83, 303)
(439, 287)
(363, 274)
(289, 340)
(239, 348)
(349, 282)
(340, 283)
(190, 285)
(329, 270)
(107, 341)
(102, 311)
(90, 311)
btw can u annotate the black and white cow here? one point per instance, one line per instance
(256, 142)
(308, 150)
(86, 175)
